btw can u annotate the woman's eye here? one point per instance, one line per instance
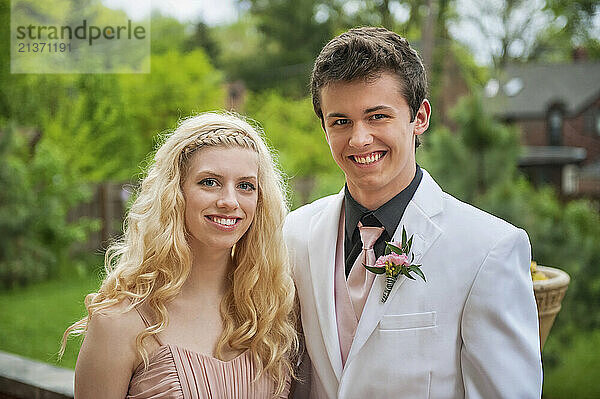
(208, 182)
(246, 186)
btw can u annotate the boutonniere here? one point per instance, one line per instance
(396, 262)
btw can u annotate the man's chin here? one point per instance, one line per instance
(366, 183)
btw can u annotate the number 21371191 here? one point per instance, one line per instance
(40, 47)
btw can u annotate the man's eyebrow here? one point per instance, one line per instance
(376, 108)
(336, 115)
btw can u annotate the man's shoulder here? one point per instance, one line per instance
(477, 222)
(455, 213)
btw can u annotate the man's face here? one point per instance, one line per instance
(371, 136)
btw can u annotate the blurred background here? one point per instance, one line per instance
(515, 92)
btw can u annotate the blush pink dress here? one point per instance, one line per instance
(178, 373)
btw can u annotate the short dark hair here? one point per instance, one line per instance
(365, 53)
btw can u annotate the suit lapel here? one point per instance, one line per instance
(323, 232)
(426, 203)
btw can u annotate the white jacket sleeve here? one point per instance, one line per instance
(500, 354)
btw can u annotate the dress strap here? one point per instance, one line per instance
(147, 324)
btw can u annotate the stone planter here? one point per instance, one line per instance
(548, 296)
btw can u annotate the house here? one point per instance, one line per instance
(557, 109)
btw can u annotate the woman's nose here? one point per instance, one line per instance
(228, 198)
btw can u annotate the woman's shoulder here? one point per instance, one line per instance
(120, 319)
(115, 329)
(108, 354)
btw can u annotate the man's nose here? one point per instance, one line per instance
(361, 136)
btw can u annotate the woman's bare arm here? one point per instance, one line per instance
(108, 356)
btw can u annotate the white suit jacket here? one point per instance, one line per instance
(470, 330)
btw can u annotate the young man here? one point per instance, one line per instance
(470, 330)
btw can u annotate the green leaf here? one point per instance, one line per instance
(409, 244)
(376, 270)
(392, 247)
(407, 273)
(416, 269)
(403, 237)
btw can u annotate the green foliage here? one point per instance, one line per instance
(71, 130)
(291, 38)
(94, 130)
(574, 377)
(38, 189)
(105, 123)
(166, 34)
(203, 38)
(240, 45)
(577, 28)
(179, 85)
(483, 150)
(294, 130)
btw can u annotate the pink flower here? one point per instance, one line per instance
(380, 262)
(397, 259)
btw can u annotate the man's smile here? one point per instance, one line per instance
(367, 159)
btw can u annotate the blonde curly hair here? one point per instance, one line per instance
(152, 260)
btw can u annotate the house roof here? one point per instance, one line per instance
(528, 90)
(541, 155)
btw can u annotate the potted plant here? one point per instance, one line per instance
(549, 287)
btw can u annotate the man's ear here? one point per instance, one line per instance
(422, 118)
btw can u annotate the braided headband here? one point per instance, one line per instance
(217, 137)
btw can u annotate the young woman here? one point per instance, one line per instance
(198, 300)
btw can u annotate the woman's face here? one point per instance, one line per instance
(221, 193)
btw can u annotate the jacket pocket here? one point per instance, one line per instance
(407, 321)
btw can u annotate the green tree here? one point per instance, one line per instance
(291, 35)
(521, 30)
(203, 38)
(166, 34)
(94, 130)
(293, 129)
(483, 150)
(38, 190)
(179, 85)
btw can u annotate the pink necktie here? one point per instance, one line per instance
(360, 279)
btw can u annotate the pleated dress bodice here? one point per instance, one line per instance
(178, 373)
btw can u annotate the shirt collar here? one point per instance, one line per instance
(389, 214)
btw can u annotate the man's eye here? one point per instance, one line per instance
(246, 186)
(209, 182)
(379, 116)
(340, 122)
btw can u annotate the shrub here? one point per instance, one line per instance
(38, 189)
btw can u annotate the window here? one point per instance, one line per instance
(592, 121)
(555, 126)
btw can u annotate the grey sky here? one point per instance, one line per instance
(210, 11)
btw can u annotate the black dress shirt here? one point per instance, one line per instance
(387, 215)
